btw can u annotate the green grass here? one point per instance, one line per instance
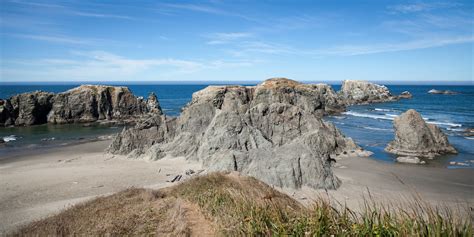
(243, 207)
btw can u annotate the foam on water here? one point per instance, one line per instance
(365, 115)
(10, 138)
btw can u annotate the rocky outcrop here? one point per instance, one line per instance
(7, 116)
(84, 104)
(405, 95)
(26, 109)
(272, 131)
(362, 92)
(442, 92)
(415, 138)
(89, 103)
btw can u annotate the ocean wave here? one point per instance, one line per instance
(378, 129)
(445, 124)
(373, 116)
(469, 138)
(393, 116)
(382, 110)
(10, 138)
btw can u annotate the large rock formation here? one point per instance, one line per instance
(89, 103)
(415, 138)
(86, 103)
(362, 92)
(272, 131)
(26, 109)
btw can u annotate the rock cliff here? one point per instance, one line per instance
(272, 131)
(87, 103)
(362, 92)
(26, 109)
(415, 138)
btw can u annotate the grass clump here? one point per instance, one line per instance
(246, 206)
(232, 205)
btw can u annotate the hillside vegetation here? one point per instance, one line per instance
(232, 205)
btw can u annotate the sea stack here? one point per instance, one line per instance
(355, 92)
(415, 139)
(273, 131)
(83, 104)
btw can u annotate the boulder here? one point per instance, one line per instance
(362, 92)
(273, 131)
(415, 138)
(89, 103)
(405, 95)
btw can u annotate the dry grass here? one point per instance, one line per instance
(230, 205)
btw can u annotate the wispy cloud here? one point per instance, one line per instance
(53, 38)
(197, 8)
(63, 9)
(351, 50)
(207, 9)
(223, 38)
(100, 65)
(420, 7)
(100, 15)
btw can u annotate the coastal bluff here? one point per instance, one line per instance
(415, 139)
(86, 103)
(272, 131)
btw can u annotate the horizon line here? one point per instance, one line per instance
(231, 82)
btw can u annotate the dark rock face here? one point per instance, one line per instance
(272, 131)
(362, 92)
(7, 116)
(89, 103)
(26, 109)
(83, 104)
(415, 138)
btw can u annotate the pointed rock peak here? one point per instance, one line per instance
(153, 105)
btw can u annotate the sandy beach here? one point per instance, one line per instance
(37, 185)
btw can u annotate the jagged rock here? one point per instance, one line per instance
(415, 138)
(7, 116)
(468, 132)
(137, 140)
(405, 95)
(442, 92)
(26, 109)
(84, 104)
(152, 104)
(272, 131)
(89, 103)
(363, 92)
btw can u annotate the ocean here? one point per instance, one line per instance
(369, 125)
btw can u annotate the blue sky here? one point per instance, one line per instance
(236, 40)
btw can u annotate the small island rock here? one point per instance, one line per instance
(363, 92)
(415, 138)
